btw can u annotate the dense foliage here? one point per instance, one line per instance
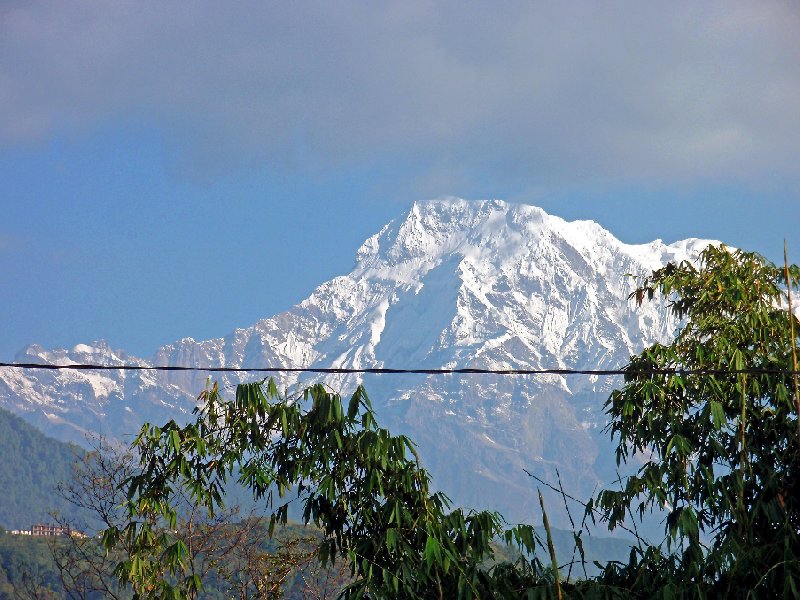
(362, 486)
(27, 565)
(715, 415)
(32, 465)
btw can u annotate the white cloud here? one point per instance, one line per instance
(511, 90)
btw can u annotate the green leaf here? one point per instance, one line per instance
(175, 440)
(717, 415)
(432, 552)
(284, 422)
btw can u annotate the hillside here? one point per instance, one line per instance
(32, 465)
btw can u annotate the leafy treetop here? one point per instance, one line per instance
(362, 486)
(716, 416)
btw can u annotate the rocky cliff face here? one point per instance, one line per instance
(450, 284)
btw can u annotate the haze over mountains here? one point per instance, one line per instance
(451, 283)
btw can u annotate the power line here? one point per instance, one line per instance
(391, 371)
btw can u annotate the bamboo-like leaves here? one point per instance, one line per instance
(722, 446)
(360, 484)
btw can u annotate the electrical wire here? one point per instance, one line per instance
(392, 371)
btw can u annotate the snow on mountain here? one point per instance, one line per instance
(452, 283)
(71, 404)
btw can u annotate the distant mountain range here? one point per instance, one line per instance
(452, 283)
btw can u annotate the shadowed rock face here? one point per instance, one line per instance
(451, 284)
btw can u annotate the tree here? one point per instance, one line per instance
(362, 486)
(715, 416)
(85, 569)
(227, 551)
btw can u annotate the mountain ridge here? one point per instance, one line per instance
(452, 283)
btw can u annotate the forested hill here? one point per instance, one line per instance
(31, 465)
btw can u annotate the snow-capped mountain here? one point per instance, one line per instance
(452, 283)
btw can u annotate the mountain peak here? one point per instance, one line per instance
(432, 228)
(497, 233)
(451, 283)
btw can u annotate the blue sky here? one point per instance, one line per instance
(171, 170)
